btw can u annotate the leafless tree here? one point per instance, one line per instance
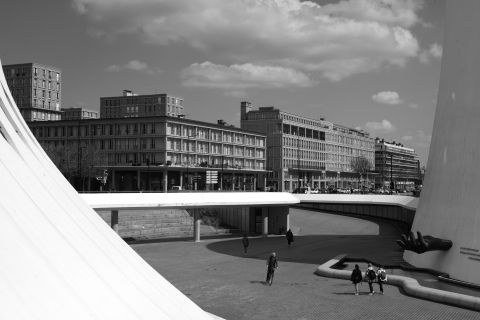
(360, 165)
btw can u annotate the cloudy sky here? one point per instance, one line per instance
(370, 64)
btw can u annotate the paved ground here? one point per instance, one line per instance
(217, 276)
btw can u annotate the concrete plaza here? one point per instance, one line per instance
(221, 279)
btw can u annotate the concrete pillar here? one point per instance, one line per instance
(112, 183)
(138, 179)
(265, 221)
(165, 180)
(114, 220)
(244, 182)
(196, 225)
(255, 183)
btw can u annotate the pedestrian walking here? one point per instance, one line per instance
(370, 276)
(356, 278)
(272, 264)
(289, 236)
(381, 278)
(245, 243)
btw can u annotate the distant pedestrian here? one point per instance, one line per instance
(289, 236)
(245, 243)
(272, 264)
(356, 277)
(370, 276)
(381, 278)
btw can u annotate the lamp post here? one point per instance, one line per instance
(391, 173)
(298, 159)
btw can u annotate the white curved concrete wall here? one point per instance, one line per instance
(449, 206)
(59, 260)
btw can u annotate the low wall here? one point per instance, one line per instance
(391, 212)
(152, 223)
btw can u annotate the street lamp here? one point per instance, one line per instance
(298, 159)
(391, 173)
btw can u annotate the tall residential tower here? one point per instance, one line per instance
(36, 89)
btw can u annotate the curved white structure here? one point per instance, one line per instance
(59, 260)
(449, 206)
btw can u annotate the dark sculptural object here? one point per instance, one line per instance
(423, 243)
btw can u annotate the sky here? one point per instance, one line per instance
(366, 64)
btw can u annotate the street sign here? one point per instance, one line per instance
(212, 176)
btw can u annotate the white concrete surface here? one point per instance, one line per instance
(187, 199)
(450, 200)
(60, 260)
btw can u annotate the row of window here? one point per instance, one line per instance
(214, 135)
(56, 95)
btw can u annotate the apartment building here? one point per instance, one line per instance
(396, 166)
(157, 153)
(36, 89)
(305, 152)
(131, 105)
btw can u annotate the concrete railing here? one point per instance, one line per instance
(397, 208)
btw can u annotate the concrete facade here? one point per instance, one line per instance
(396, 165)
(305, 152)
(36, 89)
(450, 202)
(157, 153)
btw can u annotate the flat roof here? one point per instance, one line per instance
(113, 201)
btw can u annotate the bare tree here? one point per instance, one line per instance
(64, 157)
(84, 162)
(360, 165)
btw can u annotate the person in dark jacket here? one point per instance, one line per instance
(245, 242)
(356, 278)
(371, 276)
(272, 264)
(289, 236)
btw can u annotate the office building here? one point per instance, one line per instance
(156, 153)
(36, 89)
(131, 105)
(396, 166)
(305, 152)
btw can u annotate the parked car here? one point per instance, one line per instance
(315, 191)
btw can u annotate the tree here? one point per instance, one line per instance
(64, 157)
(360, 165)
(82, 162)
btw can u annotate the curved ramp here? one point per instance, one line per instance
(59, 259)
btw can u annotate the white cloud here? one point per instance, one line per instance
(334, 41)
(132, 65)
(242, 76)
(387, 97)
(383, 126)
(435, 51)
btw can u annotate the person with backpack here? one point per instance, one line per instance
(370, 276)
(381, 277)
(356, 277)
(272, 264)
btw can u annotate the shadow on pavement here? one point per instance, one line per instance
(316, 249)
